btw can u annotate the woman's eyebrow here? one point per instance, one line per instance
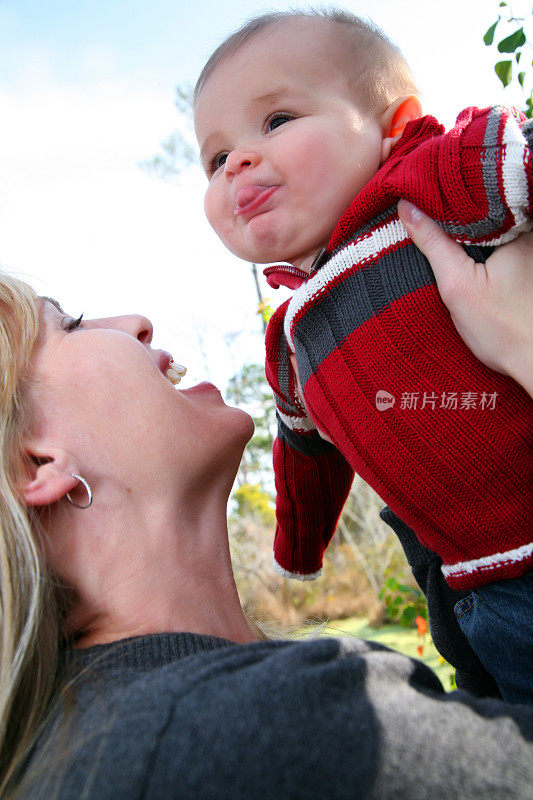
(53, 302)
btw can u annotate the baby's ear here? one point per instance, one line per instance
(48, 476)
(394, 120)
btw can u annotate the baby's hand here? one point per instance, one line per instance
(490, 304)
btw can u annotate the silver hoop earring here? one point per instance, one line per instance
(87, 489)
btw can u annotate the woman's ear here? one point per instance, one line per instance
(394, 120)
(48, 478)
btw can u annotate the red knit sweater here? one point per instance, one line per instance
(445, 441)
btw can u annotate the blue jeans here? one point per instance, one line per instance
(497, 620)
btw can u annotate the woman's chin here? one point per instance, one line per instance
(243, 423)
(251, 426)
(243, 428)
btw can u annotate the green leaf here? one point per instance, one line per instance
(408, 615)
(504, 71)
(489, 36)
(510, 43)
(528, 111)
(391, 583)
(521, 76)
(518, 56)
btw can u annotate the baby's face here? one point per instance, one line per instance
(283, 144)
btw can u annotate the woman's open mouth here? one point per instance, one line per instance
(174, 372)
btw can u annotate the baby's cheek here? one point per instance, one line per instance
(213, 210)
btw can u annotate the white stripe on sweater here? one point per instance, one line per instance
(300, 576)
(488, 562)
(371, 246)
(513, 171)
(297, 423)
(515, 185)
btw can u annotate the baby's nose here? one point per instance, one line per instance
(238, 160)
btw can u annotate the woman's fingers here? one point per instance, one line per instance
(448, 260)
(490, 304)
(463, 284)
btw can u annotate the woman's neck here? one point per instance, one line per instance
(158, 571)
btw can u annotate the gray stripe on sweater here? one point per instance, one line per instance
(491, 170)
(361, 295)
(308, 444)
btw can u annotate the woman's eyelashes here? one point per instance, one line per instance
(71, 324)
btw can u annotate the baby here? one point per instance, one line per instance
(310, 131)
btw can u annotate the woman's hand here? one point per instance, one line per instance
(490, 304)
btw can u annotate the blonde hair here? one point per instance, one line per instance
(29, 632)
(374, 67)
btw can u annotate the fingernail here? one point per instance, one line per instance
(411, 213)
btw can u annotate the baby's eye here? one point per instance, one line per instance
(71, 324)
(218, 161)
(277, 120)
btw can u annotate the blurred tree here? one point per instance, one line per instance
(249, 390)
(179, 150)
(372, 541)
(251, 500)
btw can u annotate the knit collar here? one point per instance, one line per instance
(142, 653)
(285, 274)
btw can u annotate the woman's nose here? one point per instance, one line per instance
(135, 324)
(240, 159)
(143, 328)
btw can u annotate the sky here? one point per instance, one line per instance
(86, 95)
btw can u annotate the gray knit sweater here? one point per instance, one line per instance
(189, 716)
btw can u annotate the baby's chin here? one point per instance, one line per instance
(265, 256)
(302, 259)
(261, 245)
(265, 247)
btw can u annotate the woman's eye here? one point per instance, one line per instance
(277, 120)
(72, 324)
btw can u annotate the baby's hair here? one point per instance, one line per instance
(375, 68)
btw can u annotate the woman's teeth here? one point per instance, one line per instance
(175, 372)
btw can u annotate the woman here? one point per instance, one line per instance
(160, 688)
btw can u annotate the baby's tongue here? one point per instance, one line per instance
(248, 195)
